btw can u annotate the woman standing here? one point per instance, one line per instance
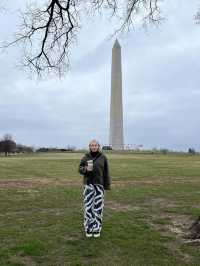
(94, 167)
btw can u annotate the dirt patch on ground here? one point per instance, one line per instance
(22, 260)
(72, 238)
(55, 211)
(194, 232)
(116, 206)
(155, 202)
(160, 203)
(37, 182)
(182, 226)
(44, 181)
(178, 226)
(168, 224)
(155, 181)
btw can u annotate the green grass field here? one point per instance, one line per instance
(153, 201)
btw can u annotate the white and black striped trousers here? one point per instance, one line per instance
(93, 207)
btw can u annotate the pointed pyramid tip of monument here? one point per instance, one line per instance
(116, 44)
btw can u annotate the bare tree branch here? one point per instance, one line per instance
(48, 32)
(147, 11)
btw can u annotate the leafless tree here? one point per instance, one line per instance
(7, 144)
(49, 28)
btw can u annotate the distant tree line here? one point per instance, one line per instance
(47, 149)
(154, 150)
(9, 146)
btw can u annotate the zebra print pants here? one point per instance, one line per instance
(93, 207)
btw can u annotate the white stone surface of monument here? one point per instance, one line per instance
(116, 137)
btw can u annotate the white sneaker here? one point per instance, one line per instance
(88, 234)
(96, 234)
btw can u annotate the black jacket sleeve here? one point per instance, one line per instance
(82, 168)
(106, 175)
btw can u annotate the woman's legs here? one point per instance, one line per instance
(89, 218)
(93, 207)
(98, 208)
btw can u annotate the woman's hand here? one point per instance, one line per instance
(88, 168)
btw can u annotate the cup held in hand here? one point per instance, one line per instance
(90, 165)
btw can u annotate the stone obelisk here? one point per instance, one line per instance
(116, 138)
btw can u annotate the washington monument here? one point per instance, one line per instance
(116, 137)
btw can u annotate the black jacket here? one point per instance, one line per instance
(100, 172)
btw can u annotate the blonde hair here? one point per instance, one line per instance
(96, 141)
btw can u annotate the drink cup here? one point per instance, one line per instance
(90, 165)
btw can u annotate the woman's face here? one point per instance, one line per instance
(94, 146)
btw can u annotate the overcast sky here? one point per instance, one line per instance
(161, 93)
